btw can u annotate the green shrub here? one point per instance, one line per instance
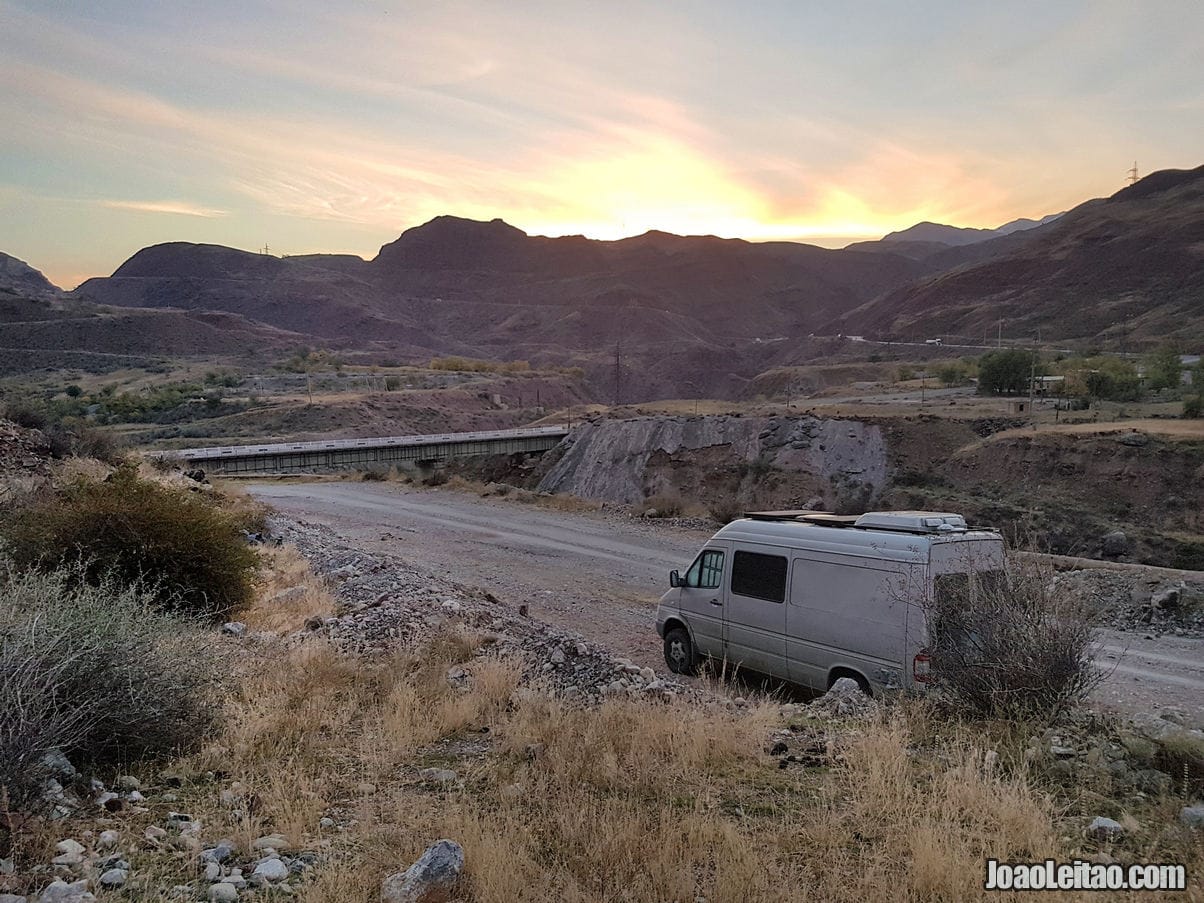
(192, 553)
(1192, 406)
(95, 672)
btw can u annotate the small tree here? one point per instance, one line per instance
(1007, 372)
(1163, 369)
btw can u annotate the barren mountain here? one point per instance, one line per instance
(926, 240)
(682, 313)
(19, 278)
(1126, 267)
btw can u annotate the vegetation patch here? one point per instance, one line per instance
(96, 672)
(191, 554)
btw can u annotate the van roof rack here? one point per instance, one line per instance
(783, 515)
(890, 521)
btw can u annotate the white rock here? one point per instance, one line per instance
(70, 846)
(62, 892)
(271, 842)
(59, 764)
(213, 871)
(223, 893)
(271, 870)
(1105, 828)
(1193, 816)
(114, 878)
(430, 879)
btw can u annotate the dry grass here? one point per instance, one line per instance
(288, 593)
(629, 801)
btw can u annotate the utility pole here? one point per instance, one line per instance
(1133, 174)
(618, 373)
(999, 340)
(1032, 385)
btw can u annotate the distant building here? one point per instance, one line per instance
(1048, 385)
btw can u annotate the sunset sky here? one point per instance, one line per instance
(321, 126)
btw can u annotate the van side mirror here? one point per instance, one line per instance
(675, 579)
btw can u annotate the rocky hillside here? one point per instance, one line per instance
(1126, 268)
(19, 278)
(799, 462)
(37, 333)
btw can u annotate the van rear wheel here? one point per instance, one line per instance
(679, 652)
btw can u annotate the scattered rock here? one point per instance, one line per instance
(271, 870)
(1193, 816)
(1114, 545)
(60, 891)
(223, 892)
(1105, 828)
(431, 879)
(114, 878)
(271, 842)
(59, 765)
(844, 699)
(234, 628)
(286, 596)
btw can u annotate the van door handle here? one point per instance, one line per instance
(717, 603)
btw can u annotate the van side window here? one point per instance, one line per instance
(707, 571)
(759, 576)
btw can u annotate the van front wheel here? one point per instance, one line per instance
(679, 652)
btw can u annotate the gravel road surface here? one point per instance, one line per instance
(601, 573)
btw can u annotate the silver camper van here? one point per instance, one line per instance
(811, 597)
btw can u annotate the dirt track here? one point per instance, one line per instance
(601, 573)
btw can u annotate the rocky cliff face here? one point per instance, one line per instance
(19, 278)
(801, 461)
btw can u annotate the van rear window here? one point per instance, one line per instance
(759, 576)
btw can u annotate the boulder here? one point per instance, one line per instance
(1114, 545)
(1193, 816)
(431, 879)
(1105, 828)
(844, 698)
(62, 892)
(223, 893)
(271, 870)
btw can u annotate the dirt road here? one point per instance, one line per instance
(601, 573)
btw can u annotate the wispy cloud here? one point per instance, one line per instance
(176, 208)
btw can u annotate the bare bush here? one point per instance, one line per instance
(725, 508)
(96, 672)
(1010, 645)
(665, 504)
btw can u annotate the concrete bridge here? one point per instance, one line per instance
(295, 457)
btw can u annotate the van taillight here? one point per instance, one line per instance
(919, 667)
